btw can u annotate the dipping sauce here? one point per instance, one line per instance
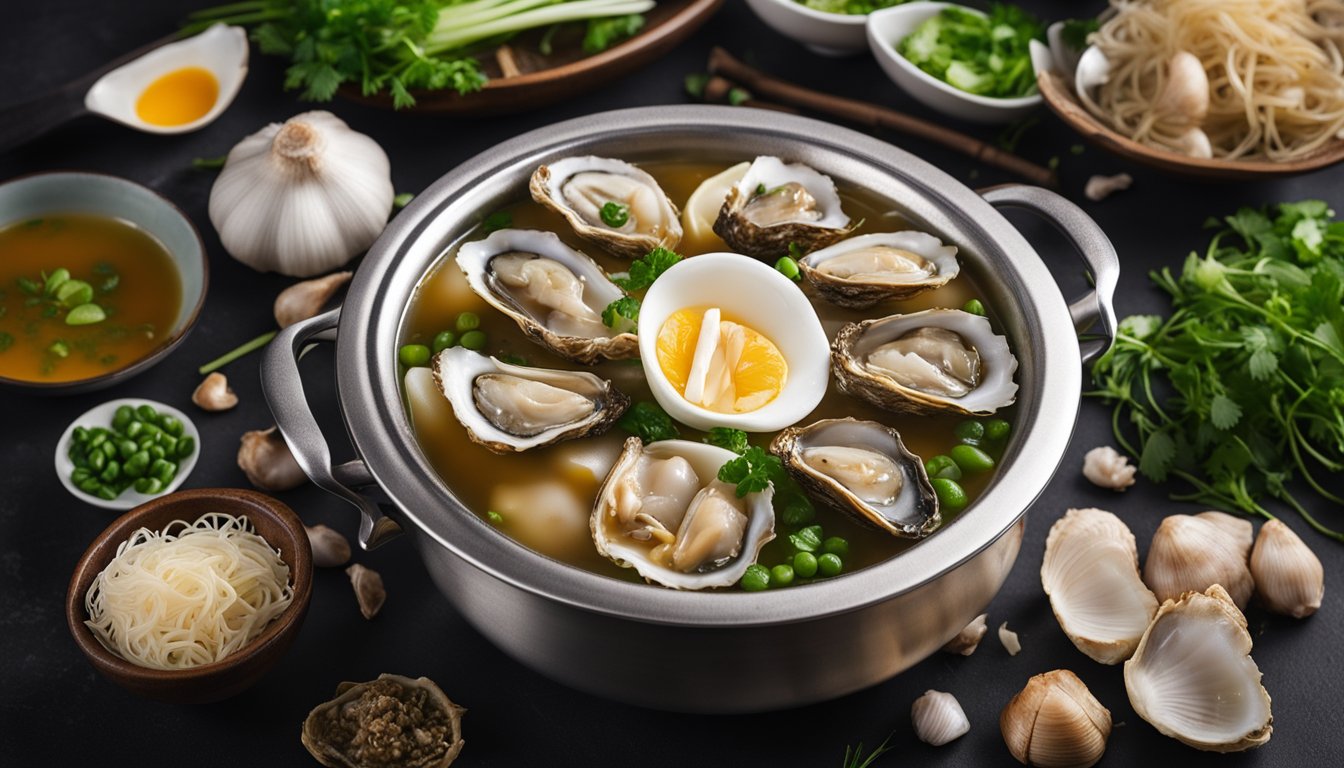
(179, 97)
(132, 279)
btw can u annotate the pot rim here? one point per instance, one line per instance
(370, 393)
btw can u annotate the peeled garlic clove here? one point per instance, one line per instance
(1091, 573)
(369, 589)
(1191, 553)
(968, 639)
(1055, 721)
(214, 394)
(1009, 639)
(302, 198)
(1288, 575)
(1193, 677)
(304, 300)
(1108, 468)
(330, 548)
(938, 718)
(1184, 99)
(266, 460)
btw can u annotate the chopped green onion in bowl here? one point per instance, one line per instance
(982, 54)
(849, 7)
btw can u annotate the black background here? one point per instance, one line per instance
(54, 710)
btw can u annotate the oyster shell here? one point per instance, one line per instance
(555, 293)
(926, 362)
(514, 408)
(860, 271)
(393, 720)
(862, 468)
(662, 512)
(776, 204)
(1193, 677)
(578, 187)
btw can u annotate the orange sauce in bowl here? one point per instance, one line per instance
(179, 97)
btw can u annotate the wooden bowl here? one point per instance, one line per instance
(273, 520)
(1061, 100)
(565, 73)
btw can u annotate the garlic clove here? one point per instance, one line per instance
(1193, 677)
(214, 394)
(1190, 553)
(938, 718)
(1184, 99)
(330, 548)
(1288, 575)
(302, 198)
(1099, 188)
(1055, 721)
(266, 460)
(1194, 143)
(369, 591)
(1106, 467)
(968, 639)
(304, 300)
(1009, 639)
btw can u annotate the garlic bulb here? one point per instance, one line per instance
(1191, 553)
(1106, 467)
(302, 198)
(1288, 575)
(1055, 721)
(968, 639)
(938, 718)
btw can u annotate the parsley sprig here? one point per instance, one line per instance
(622, 314)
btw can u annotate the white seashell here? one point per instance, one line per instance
(1009, 639)
(1099, 188)
(1108, 468)
(1190, 553)
(1193, 678)
(938, 718)
(1055, 721)
(1091, 573)
(968, 639)
(1288, 575)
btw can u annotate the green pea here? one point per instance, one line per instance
(147, 413)
(755, 578)
(156, 452)
(186, 445)
(79, 458)
(998, 430)
(788, 268)
(971, 432)
(943, 466)
(75, 293)
(55, 280)
(148, 485)
(162, 470)
(805, 565)
(781, 575)
(81, 434)
(149, 429)
(170, 424)
(951, 496)
(413, 355)
(168, 443)
(835, 546)
(79, 475)
(975, 307)
(89, 485)
(111, 472)
(134, 429)
(97, 438)
(971, 459)
(123, 416)
(443, 340)
(107, 494)
(126, 448)
(467, 321)
(474, 340)
(830, 565)
(137, 465)
(97, 461)
(109, 449)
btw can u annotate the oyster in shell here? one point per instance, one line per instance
(862, 468)
(513, 408)
(860, 271)
(393, 720)
(578, 188)
(554, 293)
(662, 511)
(776, 204)
(926, 362)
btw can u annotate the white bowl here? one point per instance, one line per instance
(765, 300)
(101, 416)
(829, 34)
(889, 26)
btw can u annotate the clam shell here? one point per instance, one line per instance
(1091, 573)
(772, 241)
(547, 187)
(1193, 677)
(1190, 553)
(1288, 576)
(859, 293)
(1055, 721)
(938, 718)
(324, 746)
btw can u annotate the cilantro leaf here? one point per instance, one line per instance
(647, 421)
(496, 221)
(752, 472)
(601, 34)
(1157, 456)
(645, 270)
(622, 315)
(734, 440)
(1224, 412)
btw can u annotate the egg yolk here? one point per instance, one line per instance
(719, 364)
(179, 97)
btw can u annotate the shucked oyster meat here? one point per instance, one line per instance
(391, 721)
(858, 272)
(642, 217)
(776, 204)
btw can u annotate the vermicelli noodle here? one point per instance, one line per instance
(1275, 74)
(188, 595)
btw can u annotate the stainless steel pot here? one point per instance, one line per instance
(680, 650)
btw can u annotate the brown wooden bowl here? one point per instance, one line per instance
(566, 72)
(273, 520)
(1062, 101)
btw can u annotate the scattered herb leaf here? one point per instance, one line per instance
(734, 440)
(601, 34)
(622, 315)
(402, 200)
(1075, 32)
(208, 163)
(753, 471)
(695, 84)
(614, 214)
(645, 270)
(647, 421)
(497, 220)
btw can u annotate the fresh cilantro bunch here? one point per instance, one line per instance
(987, 55)
(1240, 391)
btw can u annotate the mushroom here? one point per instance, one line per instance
(1099, 188)
(214, 394)
(304, 300)
(267, 461)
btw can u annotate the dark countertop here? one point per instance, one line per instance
(54, 710)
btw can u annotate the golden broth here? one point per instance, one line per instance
(479, 477)
(179, 97)
(134, 281)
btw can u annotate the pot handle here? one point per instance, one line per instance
(1097, 307)
(282, 384)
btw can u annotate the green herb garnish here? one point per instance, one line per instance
(494, 517)
(850, 7)
(402, 200)
(601, 34)
(987, 55)
(738, 96)
(496, 221)
(614, 214)
(1075, 32)
(695, 84)
(857, 759)
(647, 421)
(734, 440)
(208, 163)
(760, 190)
(645, 270)
(753, 471)
(622, 315)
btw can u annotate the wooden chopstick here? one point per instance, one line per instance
(719, 91)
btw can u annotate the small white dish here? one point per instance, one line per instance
(829, 34)
(761, 298)
(101, 416)
(889, 26)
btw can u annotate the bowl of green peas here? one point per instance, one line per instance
(124, 452)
